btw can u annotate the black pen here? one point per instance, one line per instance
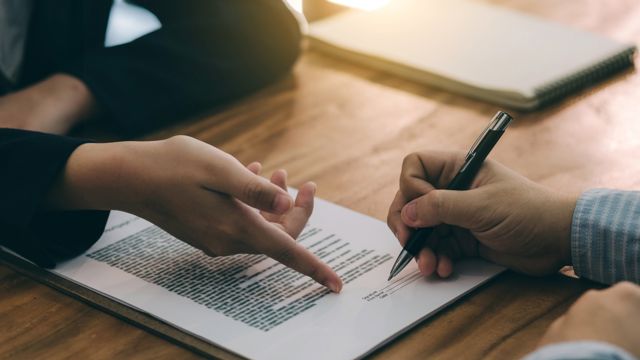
(472, 163)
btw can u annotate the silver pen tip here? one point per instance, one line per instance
(395, 271)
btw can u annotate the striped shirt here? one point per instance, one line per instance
(605, 247)
(605, 236)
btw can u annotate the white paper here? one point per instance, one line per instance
(259, 309)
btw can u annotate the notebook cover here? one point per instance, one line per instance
(477, 49)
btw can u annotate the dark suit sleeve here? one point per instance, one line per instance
(207, 53)
(29, 163)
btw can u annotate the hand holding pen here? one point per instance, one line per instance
(504, 217)
(467, 172)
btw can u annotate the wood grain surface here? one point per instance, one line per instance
(347, 128)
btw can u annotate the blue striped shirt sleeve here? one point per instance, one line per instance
(580, 350)
(605, 236)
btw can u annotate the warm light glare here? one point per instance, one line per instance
(358, 4)
(362, 4)
(296, 5)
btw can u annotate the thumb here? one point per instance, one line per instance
(459, 208)
(254, 190)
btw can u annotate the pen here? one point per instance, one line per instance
(472, 163)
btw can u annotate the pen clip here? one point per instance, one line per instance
(499, 123)
(474, 147)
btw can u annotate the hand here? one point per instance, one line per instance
(504, 217)
(199, 194)
(610, 315)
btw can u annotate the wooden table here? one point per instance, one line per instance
(347, 128)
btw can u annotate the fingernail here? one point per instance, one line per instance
(409, 212)
(333, 286)
(282, 203)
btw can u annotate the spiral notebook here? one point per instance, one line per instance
(475, 49)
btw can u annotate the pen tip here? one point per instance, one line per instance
(390, 277)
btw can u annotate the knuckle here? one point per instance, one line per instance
(392, 219)
(626, 288)
(435, 202)
(224, 237)
(215, 248)
(180, 140)
(589, 297)
(407, 164)
(410, 158)
(218, 250)
(210, 252)
(255, 192)
(390, 223)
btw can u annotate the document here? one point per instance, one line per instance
(257, 308)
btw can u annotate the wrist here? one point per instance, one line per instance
(566, 206)
(93, 178)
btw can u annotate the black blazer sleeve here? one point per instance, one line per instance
(29, 163)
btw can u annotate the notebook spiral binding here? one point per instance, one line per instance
(557, 90)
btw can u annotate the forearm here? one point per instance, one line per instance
(100, 177)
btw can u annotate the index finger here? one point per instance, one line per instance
(253, 190)
(279, 246)
(394, 219)
(429, 170)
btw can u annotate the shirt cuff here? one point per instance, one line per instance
(605, 236)
(580, 350)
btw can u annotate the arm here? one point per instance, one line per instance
(504, 217)
(605, 236)
(512, 221)
(194, 191)
(30, 165)
(199, 194)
